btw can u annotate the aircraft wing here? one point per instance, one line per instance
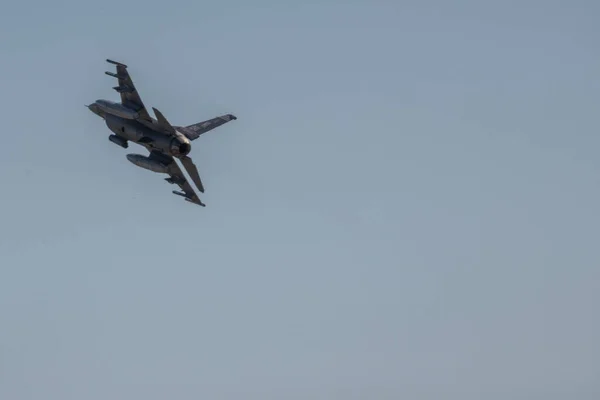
(192, 132)
(188, 193)
(177, 177)
(129, 94)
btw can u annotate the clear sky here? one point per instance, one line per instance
(406, 208)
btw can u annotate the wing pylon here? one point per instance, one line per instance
(130, 97)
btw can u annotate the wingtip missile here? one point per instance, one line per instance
(196, 200)
(116, 63)
(201, 204)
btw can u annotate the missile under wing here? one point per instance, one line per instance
(164, 163)
(130, 97)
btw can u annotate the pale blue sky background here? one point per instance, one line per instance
(406, 208)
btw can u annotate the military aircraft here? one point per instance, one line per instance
(130, 121)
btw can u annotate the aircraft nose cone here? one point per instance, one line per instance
(94, 108)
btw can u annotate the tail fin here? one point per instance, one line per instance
(163, 121)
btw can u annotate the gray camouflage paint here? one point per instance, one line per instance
(130, 121)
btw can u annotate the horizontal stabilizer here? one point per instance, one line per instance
(194, 131)
(191, 169)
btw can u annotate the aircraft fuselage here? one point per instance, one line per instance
(125, 125)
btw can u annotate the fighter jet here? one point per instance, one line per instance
(130, 121)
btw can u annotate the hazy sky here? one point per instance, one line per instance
(406, 208)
